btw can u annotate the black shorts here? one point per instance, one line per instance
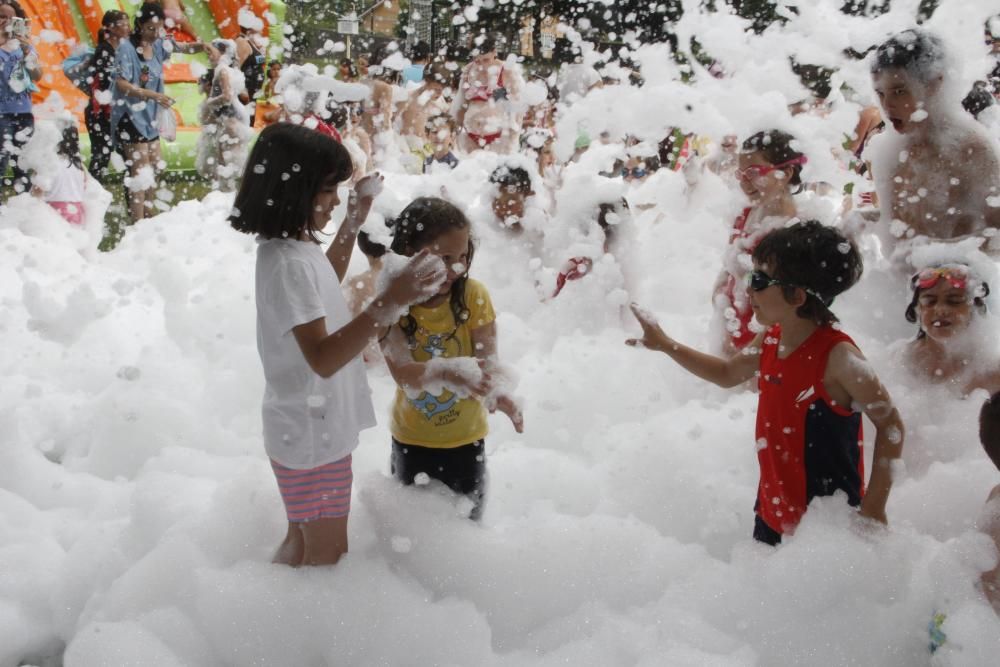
(127, 133)
(462, 469)
(764, 533)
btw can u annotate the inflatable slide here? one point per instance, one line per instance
(60, 26)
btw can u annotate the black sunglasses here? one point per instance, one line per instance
(760, 281)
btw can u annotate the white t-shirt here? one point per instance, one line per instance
(309, 421)
(68, 184)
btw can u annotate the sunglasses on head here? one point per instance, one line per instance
(759, 281)
(957, 277)
(761, 170)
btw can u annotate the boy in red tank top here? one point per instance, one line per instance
(813, 381)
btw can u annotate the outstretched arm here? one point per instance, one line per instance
(848, 370)
(723, 372)
(359, 203)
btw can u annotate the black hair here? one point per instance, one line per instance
(978, 300)
(979, 99)
(418, 226)
(147, 12)
(421, 51)
(69, 145)
(286, 169)
(917, 51)
(989, 428)
(439, 72)
(776, 147)
(371, 248)
(487, 43)
(339, 115)
(111, 17)
(383, 73)
(607, 209)
(511, 178)
(814, 258)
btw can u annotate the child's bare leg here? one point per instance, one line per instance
(153, 158)
(292, 547)
(325, 541)
(137, 198)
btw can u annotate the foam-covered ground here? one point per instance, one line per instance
(138, 513)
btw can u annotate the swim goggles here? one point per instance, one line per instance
(956, 275)
(761, 170)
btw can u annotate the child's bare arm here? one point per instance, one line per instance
(359, 204)
(847, 369)
(414, 375)
(723, 372)
(484, 341)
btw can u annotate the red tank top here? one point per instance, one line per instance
(807, 446)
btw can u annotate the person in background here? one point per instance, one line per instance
(19, 69)
(97, 115)
(414, 72)
(66, 191)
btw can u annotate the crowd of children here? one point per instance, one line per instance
(419, 310)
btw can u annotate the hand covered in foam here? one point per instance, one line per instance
(404, 281)
(359, 202)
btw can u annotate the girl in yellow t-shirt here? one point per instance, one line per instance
(442, 354)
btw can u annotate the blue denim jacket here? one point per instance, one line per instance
(12, 101)
(146, 74)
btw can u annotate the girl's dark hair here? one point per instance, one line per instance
(418, 226)
(776, 147)
(978, 300)
(147, 12)
(371, 248)
(512, 178)
(606, 209)
(69, 145)
(814, 258)
(284, 172)
(111, 17)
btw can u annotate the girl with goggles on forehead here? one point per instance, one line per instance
(954, 340)
(769, 174)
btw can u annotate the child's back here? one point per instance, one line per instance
(66, 192)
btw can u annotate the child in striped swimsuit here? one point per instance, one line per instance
(316, 396)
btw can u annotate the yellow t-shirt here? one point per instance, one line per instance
(443, 421)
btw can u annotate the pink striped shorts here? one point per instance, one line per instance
(316, 493)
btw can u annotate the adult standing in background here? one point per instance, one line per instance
(97, 116)
(19, 69)
(251, 48)
(138, 100)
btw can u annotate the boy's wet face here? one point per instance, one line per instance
(944, 311)
(900, 96)
(508, 205)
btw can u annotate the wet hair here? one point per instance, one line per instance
(607, 209)
(815, 258)
(69, 145)
(439, 122)
(918, 52)
(989, 428)
(377, 70)
(979, 289)
(371, 248)
(338, 113)
(512, 178)
(979, 99)
(425, 220)
(776, 147)
(110, 18)
(421, 51)
(487, 43)
(285, 171)
(147, 12)
(352, 69)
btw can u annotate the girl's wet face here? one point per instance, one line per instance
(758, 179)
(324, 202)
(453, 249)
(944, 311)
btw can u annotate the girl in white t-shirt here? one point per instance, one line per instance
(65, 193)
(316, 397)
